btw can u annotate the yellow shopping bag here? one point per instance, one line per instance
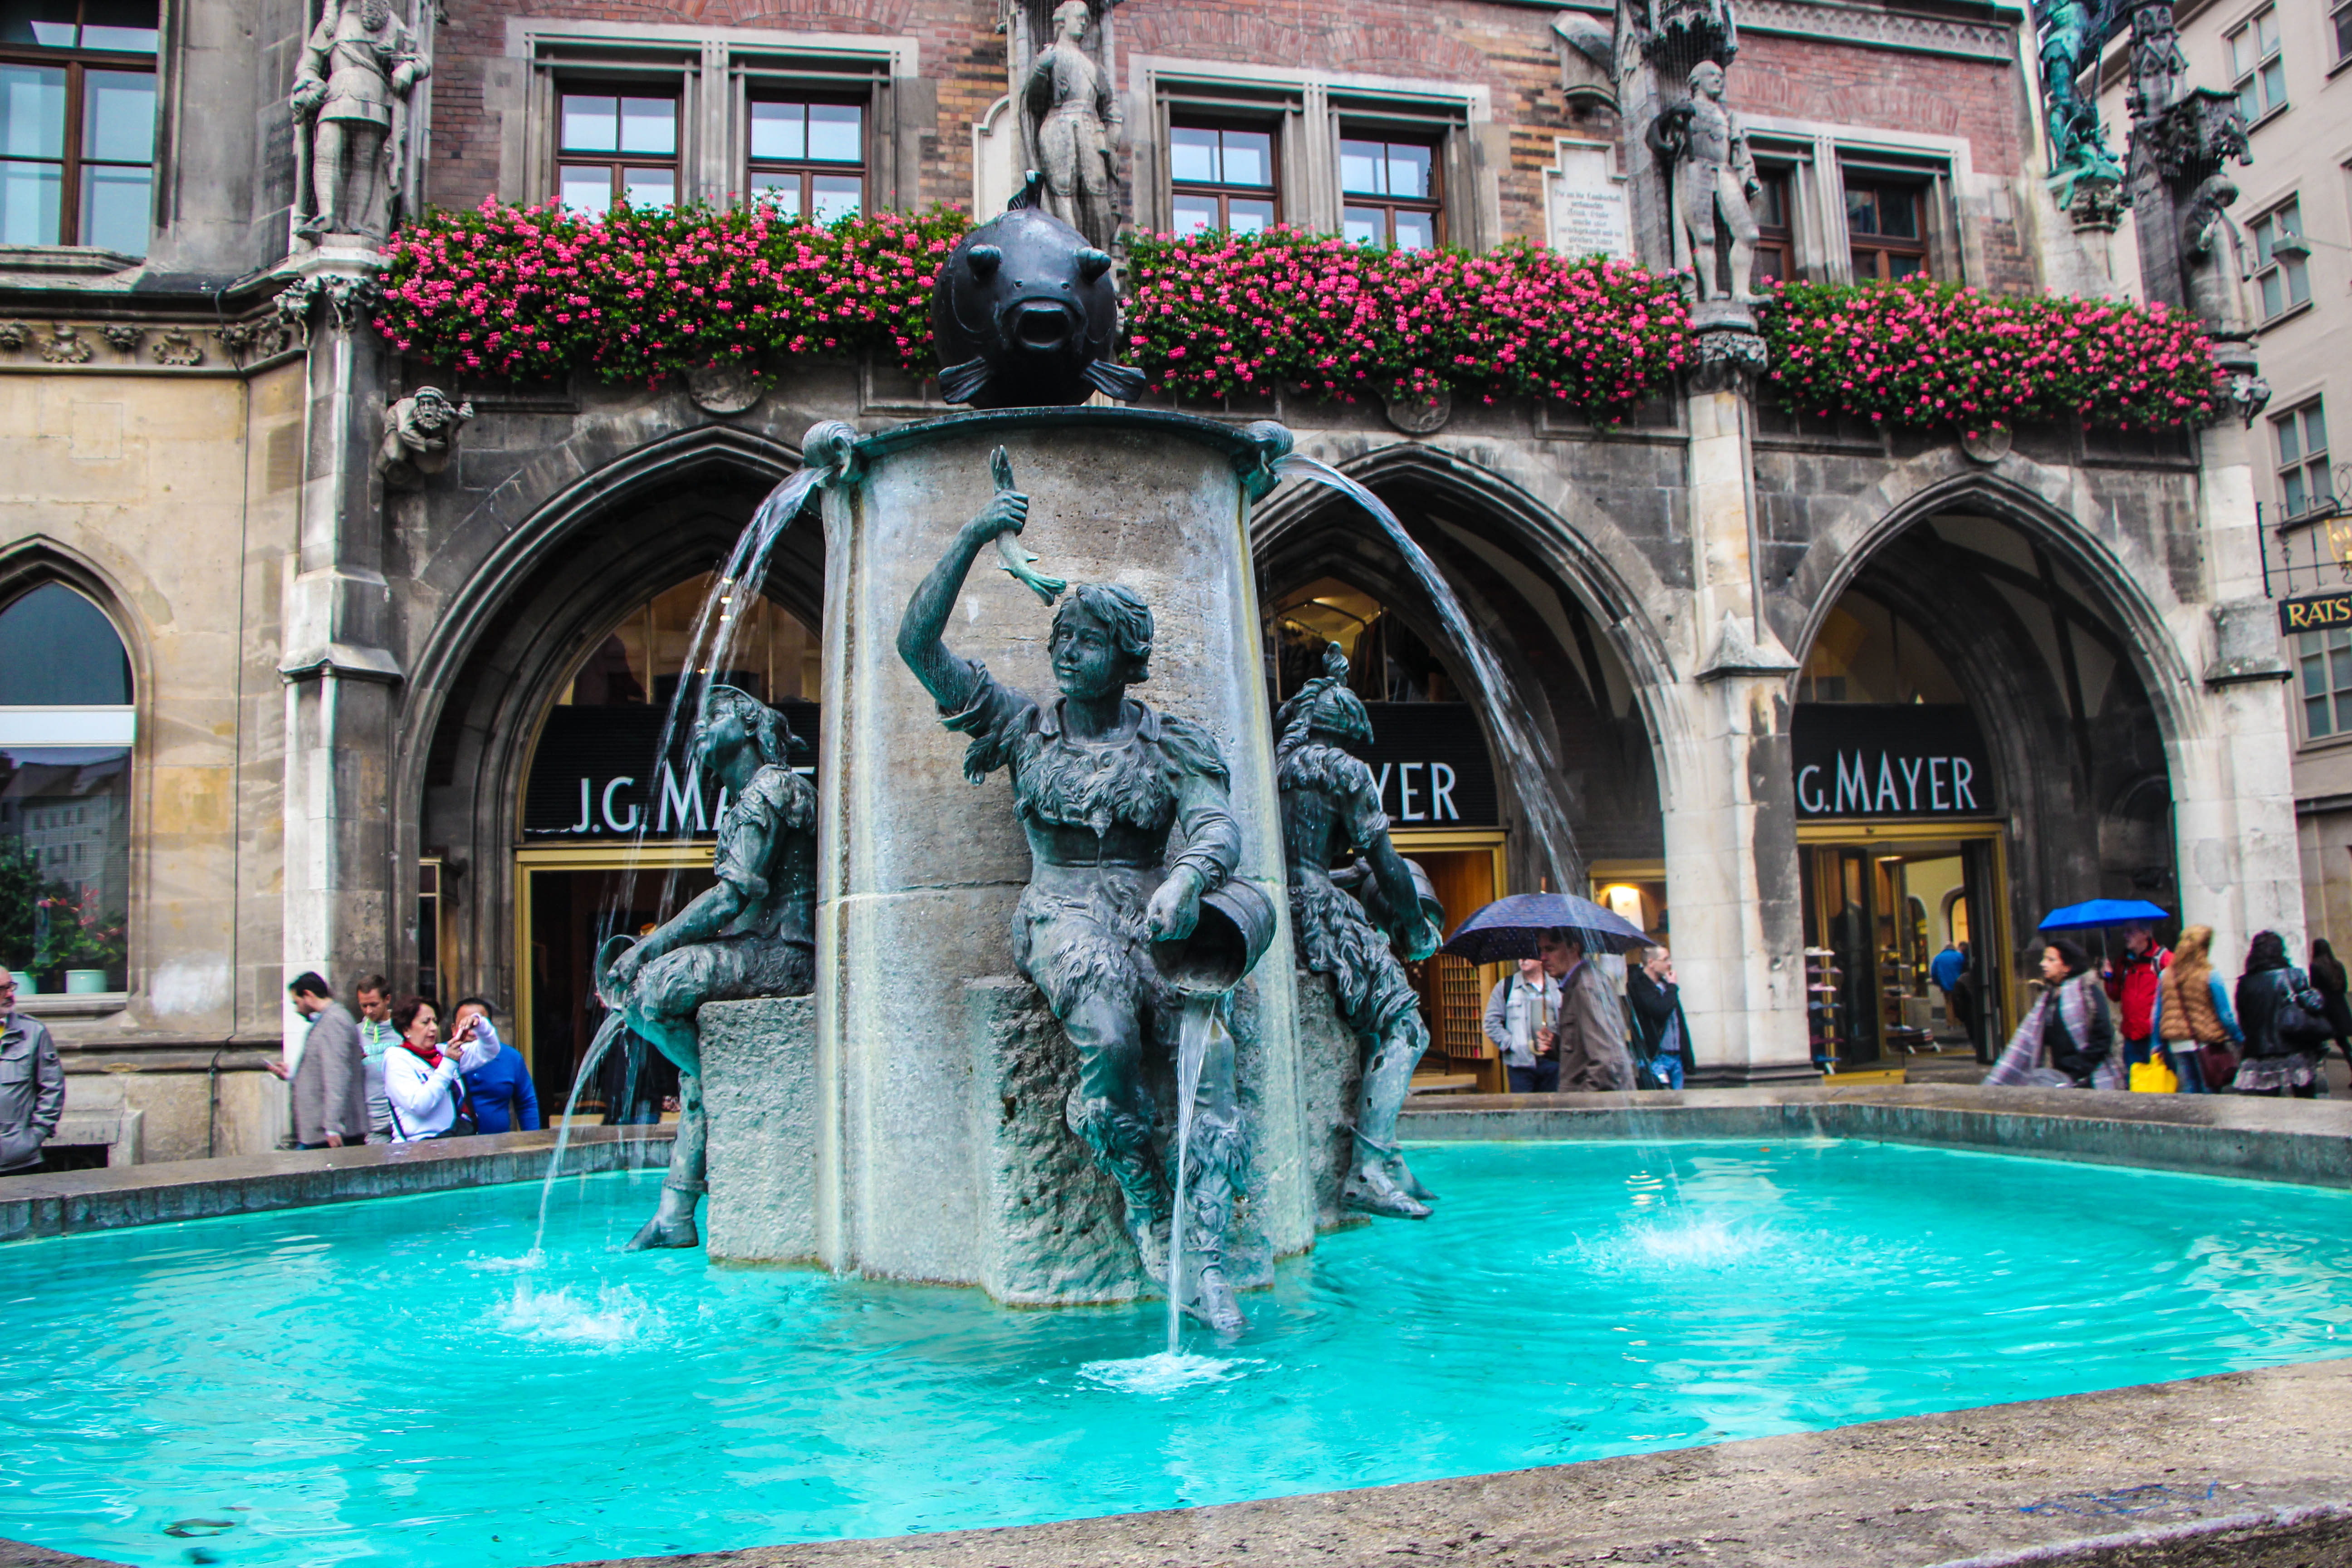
(2155, 1077)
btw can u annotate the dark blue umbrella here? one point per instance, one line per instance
(1507, 928)
(2100, 913)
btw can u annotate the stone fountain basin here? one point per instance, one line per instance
(2202, 1470)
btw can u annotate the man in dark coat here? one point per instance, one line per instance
(1589, 1034)
(1662, 1042)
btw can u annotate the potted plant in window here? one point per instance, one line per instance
(86, 948)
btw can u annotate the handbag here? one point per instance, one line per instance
(2155, 1077)
(2300, 1025)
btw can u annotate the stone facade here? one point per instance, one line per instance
(336, 682)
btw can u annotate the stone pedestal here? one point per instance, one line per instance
(919, 870)
(1332, 1074)
(759, 1093)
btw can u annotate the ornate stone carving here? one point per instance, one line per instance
(1066, 116)
(731, 388)
(2182, 139)
(177, 346)
(358, 66)
(753, 935)
(1711, 175)
(1879, 28)
(123, 336)
(1421, 416)
(1727, 353)
(349, 298)
(420, 436)
(14, 335)
(65, 346)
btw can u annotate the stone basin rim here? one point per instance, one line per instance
(1232, 441)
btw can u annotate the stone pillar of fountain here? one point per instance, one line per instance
(940, 1153)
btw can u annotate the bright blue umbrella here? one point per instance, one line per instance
(2103, 912)
(1507, 928)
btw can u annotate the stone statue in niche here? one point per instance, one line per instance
(1065, 112)
(1101, 785)
(1330, 801)
(753, 934)
(360, 62)
(420, 436)
(1713, 179)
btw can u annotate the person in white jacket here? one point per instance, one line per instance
(424, 1082)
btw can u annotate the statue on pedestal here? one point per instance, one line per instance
(2071, 34)
(1100, 784)
(1713, 178)
(360, 61)
(1329, 802)
(753, 934)
(1065, 112)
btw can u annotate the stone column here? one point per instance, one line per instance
(1731, 837)
(2233, 781)
(340, 675)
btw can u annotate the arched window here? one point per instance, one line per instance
(66, 727)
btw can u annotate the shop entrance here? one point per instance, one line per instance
(1881, 902)
(573, 897)
(1466, 870)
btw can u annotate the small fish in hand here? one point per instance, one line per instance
(1017, 560)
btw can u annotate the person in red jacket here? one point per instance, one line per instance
(2132, 984)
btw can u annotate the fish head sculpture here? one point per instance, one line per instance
(1025, 314)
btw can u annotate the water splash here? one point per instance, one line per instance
(1157, 1376)
(1646, 1246)
(1191, 1049)
(605, 1034)
(1527, 755)
(558, 1317)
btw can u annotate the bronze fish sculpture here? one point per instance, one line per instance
(1026, 316)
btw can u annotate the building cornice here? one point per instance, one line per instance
(1879, 27)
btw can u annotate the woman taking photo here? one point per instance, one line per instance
(421, 1079)
(2284, 1020)
(2067, 1040)
(2193, 1017)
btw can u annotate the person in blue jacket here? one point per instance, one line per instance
(504, 1098)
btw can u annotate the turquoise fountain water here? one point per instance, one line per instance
(381, 1383)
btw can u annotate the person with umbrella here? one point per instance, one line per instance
(1588, 1039)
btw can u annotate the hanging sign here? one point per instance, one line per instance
(1889, 761)
(595, 775)
(2315, 612)
(1429, 762)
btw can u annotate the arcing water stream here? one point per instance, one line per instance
(1527, 755)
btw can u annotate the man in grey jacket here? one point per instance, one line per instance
(329, 1077)
(32, 1085)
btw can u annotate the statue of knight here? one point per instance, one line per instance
(753, 934)
(1714, 181)
(1329, 801)
(360, 59)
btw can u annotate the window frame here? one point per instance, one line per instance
(617, 163)
(756, 91)
(2319, 649)
(1430, 139)
(2339, 24)
(1920, 185)
(1224, 193)
(78, 61)
(2292, 272)
(2309, 469)
(1781, 238)
(2246, 83)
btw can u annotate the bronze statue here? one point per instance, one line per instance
(1100, 784)
(1065, 109)
(1025, 314)
(753, 934)
(359, 61)
(2070, 32)
(1714, 178)
(1329, 802)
